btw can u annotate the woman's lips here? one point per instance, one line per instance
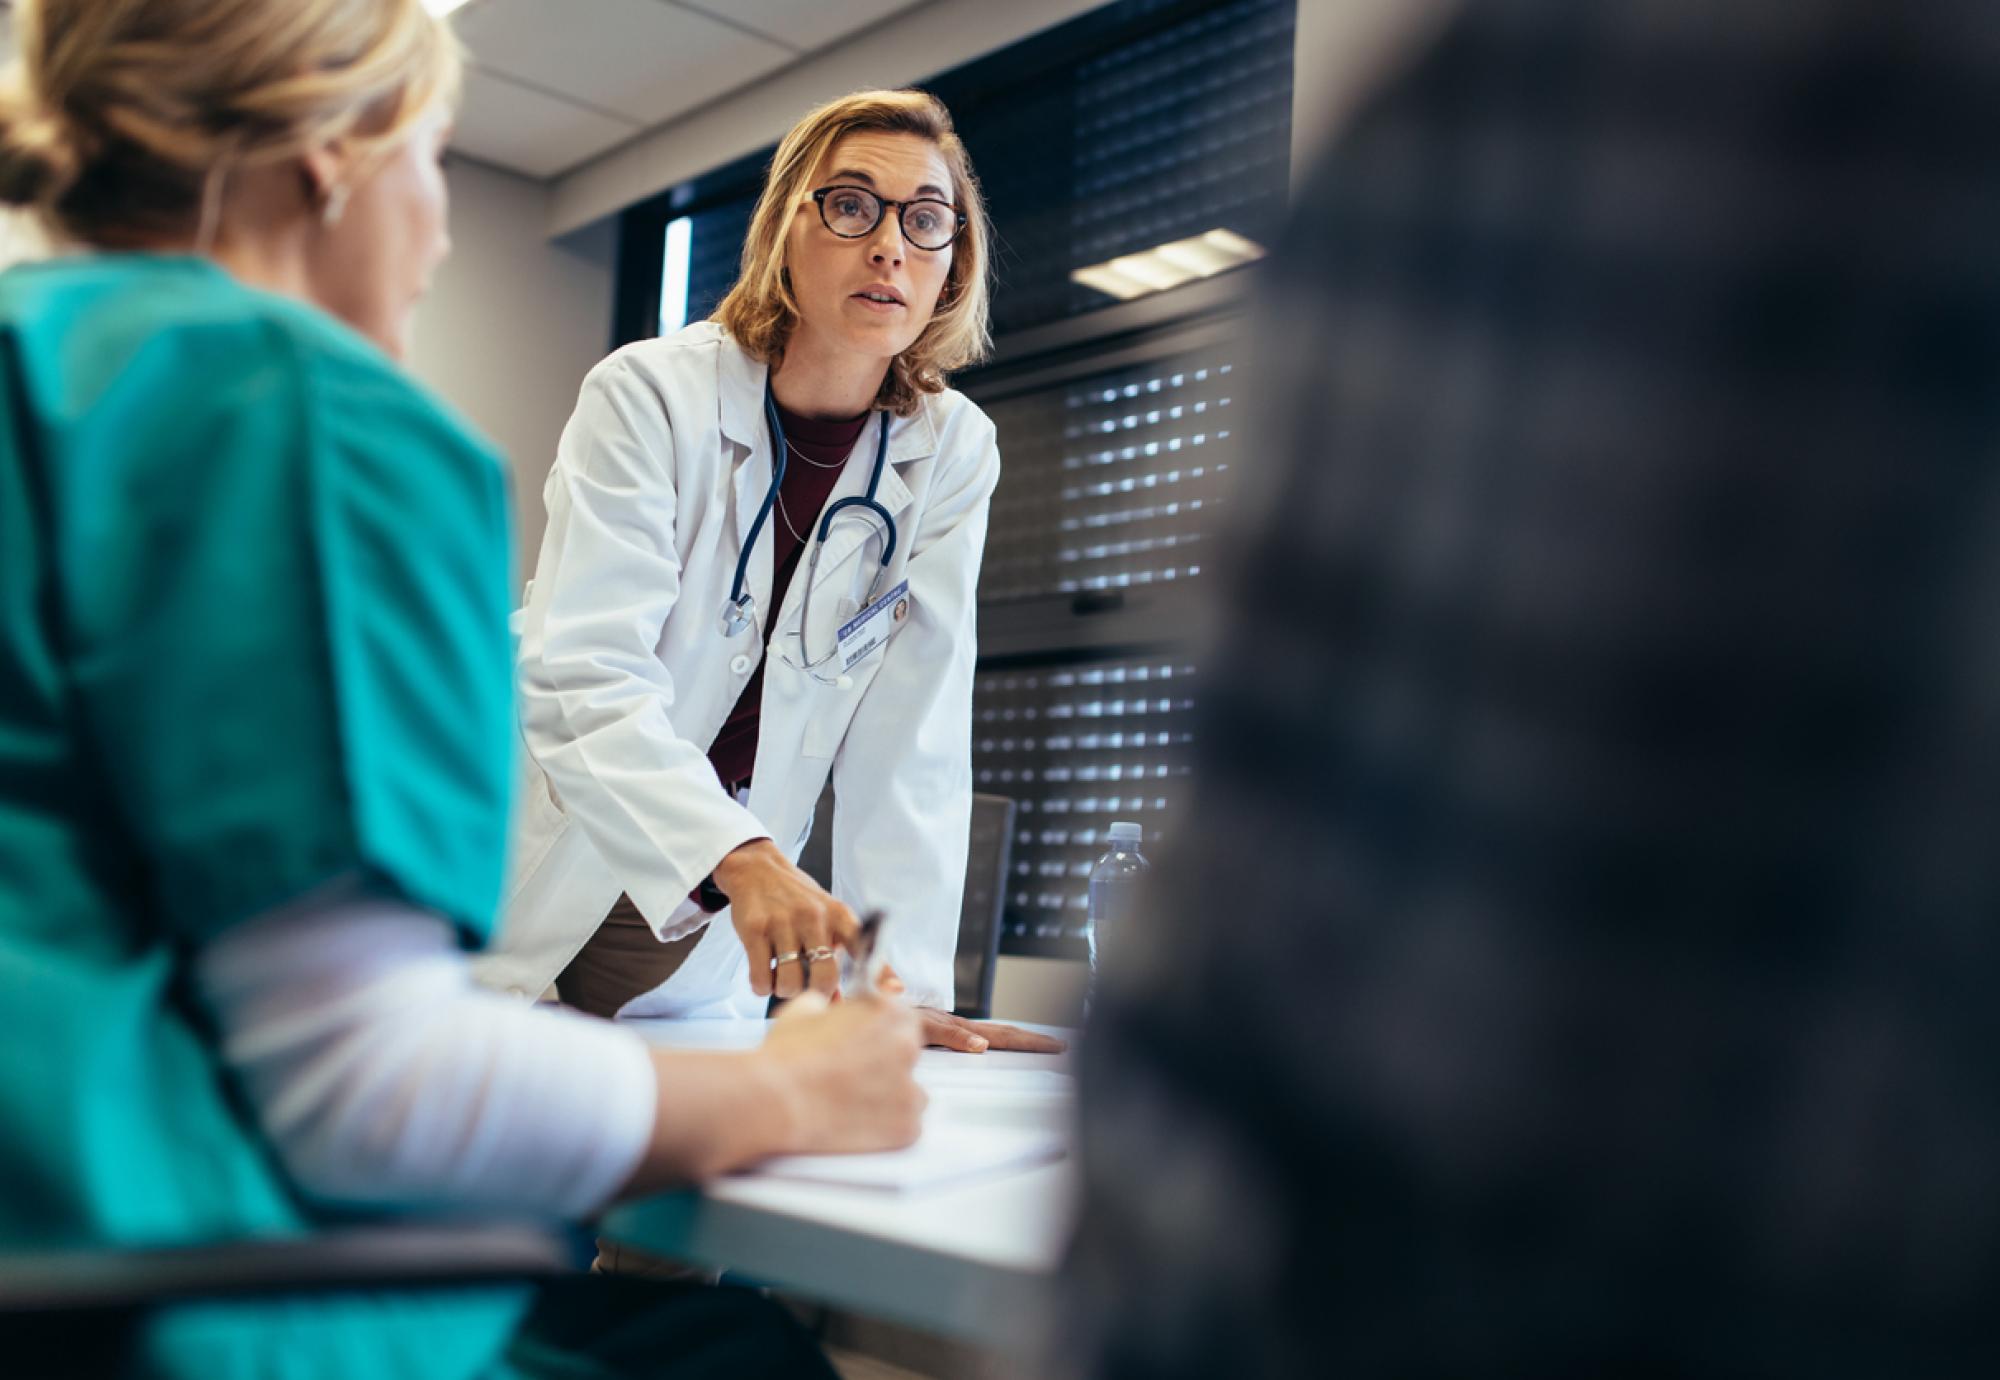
(873, 305)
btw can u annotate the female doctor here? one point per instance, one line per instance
(763, 541)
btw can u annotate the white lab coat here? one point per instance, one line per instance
(626, 677)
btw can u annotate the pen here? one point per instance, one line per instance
(861, 963)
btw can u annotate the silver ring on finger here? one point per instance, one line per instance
(790, 956)
(823, 954)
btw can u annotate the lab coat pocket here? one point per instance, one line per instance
(833, 707)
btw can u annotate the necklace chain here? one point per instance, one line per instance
(839, 464)
(816, 464)
(787, 517)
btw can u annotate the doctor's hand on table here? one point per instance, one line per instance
(781, 913)
(943, 1030)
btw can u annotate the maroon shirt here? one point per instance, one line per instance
(816, 452)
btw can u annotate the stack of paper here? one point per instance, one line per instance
(995, 1097)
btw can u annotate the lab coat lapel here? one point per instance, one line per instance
(746, 436)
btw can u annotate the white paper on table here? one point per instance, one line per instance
(1041, 1098)
(968, 1075)
(945, 1154)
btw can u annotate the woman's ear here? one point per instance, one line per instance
(325, 172)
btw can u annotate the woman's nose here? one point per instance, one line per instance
(886, 246)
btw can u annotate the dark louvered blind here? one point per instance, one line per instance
(1183, 129)
(1078, 747)
(1112, 481)
(1112, 484)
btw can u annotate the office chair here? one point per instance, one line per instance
(75, 1311)
(985, 898)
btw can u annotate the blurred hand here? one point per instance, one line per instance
(779, 910)
(942, 1030)
(847, 1071)
(946, 1031)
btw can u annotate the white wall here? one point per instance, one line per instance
(513, 322)
(1048, 990)
(18, 236)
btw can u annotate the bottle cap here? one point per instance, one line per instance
(1124, 831)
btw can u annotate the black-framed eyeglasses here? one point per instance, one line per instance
(851, 212)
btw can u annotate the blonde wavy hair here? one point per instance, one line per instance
(125, 116)
(760, 311)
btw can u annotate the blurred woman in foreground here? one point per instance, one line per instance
(255, 724)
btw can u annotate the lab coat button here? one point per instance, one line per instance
(739, 663)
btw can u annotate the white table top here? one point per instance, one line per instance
(962, 1260)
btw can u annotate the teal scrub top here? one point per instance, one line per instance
(253, 599)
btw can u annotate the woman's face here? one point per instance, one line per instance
(832, 276)
(373, 264)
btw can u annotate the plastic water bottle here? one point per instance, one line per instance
(1114, 890)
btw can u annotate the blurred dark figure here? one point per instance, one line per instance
(1583, 955)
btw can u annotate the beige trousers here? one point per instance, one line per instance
(621, 961)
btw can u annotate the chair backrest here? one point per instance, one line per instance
(986, 864)
(987, 860)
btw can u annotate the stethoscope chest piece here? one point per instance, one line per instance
(738, 614)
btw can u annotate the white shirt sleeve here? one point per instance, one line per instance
(384, 1077)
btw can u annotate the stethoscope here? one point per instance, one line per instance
(740, 612)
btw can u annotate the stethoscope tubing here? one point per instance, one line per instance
(739, 612)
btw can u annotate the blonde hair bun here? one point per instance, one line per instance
(39, 160)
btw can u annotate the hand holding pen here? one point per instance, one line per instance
(852, 1060)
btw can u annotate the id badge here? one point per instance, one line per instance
(873, 626)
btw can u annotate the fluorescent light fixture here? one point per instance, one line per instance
(441, 8)
(1169, 265)
(1151, 268)
(1109, 280)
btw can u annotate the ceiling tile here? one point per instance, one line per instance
(645, 60)
(803, 26)
(529, 131)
